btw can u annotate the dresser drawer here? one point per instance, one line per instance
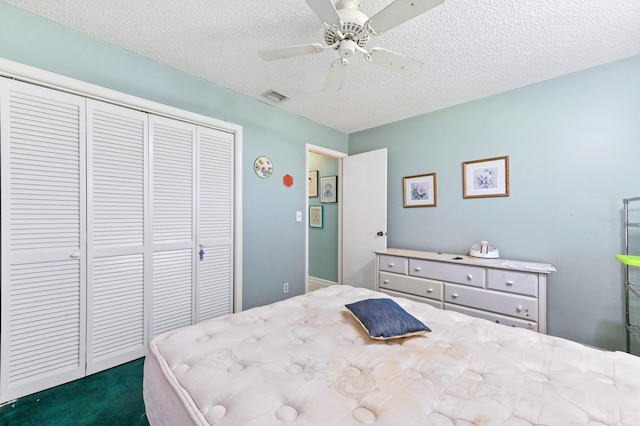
(513, 281)
(497, 318)
(503, 303)
(450, 272)
(418, 286)
(393, 264)
(435, 303)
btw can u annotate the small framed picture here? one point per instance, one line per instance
(420, 191)
(315, 217)
(313, 183)
(486, 178)
(328, 189)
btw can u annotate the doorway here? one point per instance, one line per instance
(324, 243)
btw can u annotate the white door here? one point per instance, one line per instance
(215, 190)
(117, 221)
(172, 153)
(43, 238)
(364, 215)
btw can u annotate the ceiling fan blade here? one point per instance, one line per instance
(394, 61)
(325, 10)
(290, 52)
(336, 76)
(399, 12)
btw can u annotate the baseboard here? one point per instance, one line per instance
(320, 282)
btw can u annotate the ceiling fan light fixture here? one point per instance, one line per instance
(347, 48)
(274, 96)
(347, 31)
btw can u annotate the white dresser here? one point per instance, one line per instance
(509, 292)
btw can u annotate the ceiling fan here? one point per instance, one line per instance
(348, 30)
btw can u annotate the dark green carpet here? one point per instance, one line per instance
(111, 397)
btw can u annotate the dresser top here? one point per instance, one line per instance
(516, 265)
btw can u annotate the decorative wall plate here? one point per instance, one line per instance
(263, 167)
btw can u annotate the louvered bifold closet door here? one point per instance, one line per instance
(215, 223)
(117, 224)
(42, 341)
(172, 149)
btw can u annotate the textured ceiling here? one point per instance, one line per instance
(470, 49)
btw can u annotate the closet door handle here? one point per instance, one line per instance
(74, 255)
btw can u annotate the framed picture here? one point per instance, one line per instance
(315, 217)
(486, 178)
(328, 189)
(313, 183)
(420, 191)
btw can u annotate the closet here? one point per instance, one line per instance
(117, 225)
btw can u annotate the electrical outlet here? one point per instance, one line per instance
(285, 288)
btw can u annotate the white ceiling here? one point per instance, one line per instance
(470, 48)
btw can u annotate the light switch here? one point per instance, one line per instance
(298, 216)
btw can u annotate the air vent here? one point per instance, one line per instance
(274, 96)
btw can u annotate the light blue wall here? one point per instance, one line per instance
(273, 240)
(323, 242)
(574, 149)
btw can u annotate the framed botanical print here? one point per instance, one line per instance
(486, 178)
(420, 190)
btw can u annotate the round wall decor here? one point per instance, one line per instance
(263, 167)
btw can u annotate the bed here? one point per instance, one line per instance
(308, 361)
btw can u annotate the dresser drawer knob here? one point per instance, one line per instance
(429, 290)
(391, 265)
(519, 308)
(386, 281)
(510, 282)
(454, 295)
(469, 277)
(417, 268)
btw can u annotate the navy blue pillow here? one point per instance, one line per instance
(385, 319)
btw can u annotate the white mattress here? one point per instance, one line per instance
(306, 361)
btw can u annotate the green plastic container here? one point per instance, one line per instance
(628, 259)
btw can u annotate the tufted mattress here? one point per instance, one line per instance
(307, 361)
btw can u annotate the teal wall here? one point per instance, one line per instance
(323, 242)
(274, 243)
(574, 150)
